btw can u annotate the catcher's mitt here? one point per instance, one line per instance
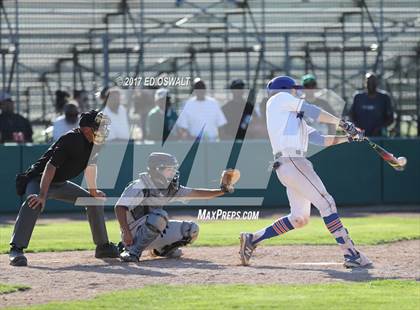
(228, 179)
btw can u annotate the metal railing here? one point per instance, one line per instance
(96, 41)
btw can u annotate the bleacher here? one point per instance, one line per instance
(50, 30)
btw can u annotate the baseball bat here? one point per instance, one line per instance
(396, 163)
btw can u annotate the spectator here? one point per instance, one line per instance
(68, 121)
(237, 111)
(143, 101)
(162, 118)
(201, 115)
(61, 98)
(372, 110)
(119, 128)
(13, 126)
(310, 86)
(82, 98)
(257, 128)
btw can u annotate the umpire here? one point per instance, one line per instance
(49, 177)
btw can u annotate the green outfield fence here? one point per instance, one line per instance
(352, 173)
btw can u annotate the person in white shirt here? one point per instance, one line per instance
(117, 113)
(289, 136)
(201, 115)
(68, 121)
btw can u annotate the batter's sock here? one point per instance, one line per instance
(281, 226)
(340, 234)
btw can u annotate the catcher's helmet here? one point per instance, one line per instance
(159, 161)
(99, 123)
(281, 83)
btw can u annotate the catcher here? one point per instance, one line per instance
(143, 221)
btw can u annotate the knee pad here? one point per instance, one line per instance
(157, 220)
(326, 206)
(189, 231)
(299, 221)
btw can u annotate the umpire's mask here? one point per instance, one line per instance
(99, 124)
(101, 128)
(157, 162)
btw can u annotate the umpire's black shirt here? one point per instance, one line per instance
(70, 154)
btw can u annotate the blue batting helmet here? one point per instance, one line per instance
(281, 83)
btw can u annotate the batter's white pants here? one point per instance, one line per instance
(303, 187)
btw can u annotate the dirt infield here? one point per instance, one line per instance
(78, 275)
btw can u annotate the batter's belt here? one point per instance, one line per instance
(295, 153)
(274, 165)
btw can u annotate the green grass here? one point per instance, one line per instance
(388, 294)
(8, 288)
(364, 230)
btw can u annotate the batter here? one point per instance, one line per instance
(289, 136)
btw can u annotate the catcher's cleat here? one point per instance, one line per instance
(358, 260)
(107, 250)
(16, 257)
(175, 253)
(246, 249)
(129, 258)
(120, 247)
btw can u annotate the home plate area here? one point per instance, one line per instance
(59, 276)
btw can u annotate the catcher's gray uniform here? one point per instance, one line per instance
(148, 222)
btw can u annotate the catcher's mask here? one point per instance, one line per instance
(99, 124)
(157, 162)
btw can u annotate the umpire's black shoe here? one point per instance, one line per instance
(16, 257)
(107, 250)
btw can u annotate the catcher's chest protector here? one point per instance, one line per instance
(153, 198)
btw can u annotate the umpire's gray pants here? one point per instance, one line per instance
(63, 191)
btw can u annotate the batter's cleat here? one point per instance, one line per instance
(107, 250)
(358, 260)
(129, 258)
(16, 257)
(175, 253)
(246, 249)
